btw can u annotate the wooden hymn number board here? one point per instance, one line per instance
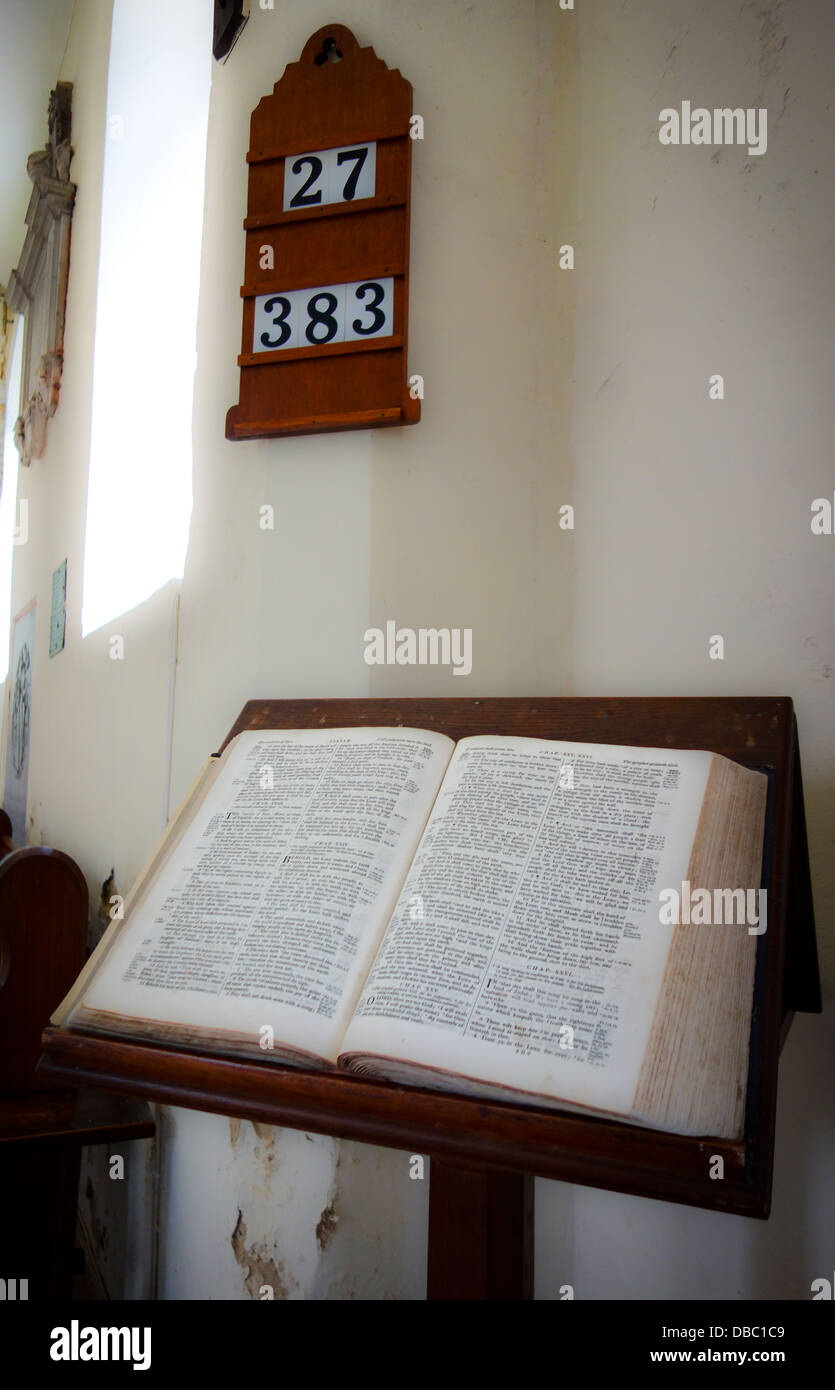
(326, 278)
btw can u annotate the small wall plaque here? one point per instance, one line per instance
(326, 279)
(58, 610)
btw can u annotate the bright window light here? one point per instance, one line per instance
(139, 494)
(8, 499)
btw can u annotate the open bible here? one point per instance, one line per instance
(564, 924)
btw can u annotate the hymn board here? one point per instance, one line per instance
(326, 278)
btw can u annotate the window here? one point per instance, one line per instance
(139, 492)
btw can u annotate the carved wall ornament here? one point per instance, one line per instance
(38, 287)
(6, 336)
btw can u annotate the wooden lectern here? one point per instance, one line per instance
(484, 1155)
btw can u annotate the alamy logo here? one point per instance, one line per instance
(429, 646)
(13, 1289)
(723, 907)
(721, 126)
(76, 1343)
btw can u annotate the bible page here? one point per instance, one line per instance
(270, 909)
(526, 948)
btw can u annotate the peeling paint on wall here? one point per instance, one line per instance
(259, 1268)
(326, 1225)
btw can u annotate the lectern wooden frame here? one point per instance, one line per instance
(43, 929)
(485, 1154)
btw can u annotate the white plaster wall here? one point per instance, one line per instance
(693, 516)
(252, 1211)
